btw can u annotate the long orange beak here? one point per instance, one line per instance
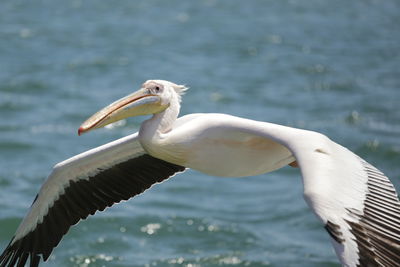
(139, 103)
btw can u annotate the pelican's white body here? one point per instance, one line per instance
(219, 145)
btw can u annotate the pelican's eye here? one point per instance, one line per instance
(153, 88)
(156, 88)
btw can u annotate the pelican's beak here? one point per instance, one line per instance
(139, 103)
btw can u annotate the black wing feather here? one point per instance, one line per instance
(378, 230)
(83, 197)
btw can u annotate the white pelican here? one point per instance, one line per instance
(356, 203)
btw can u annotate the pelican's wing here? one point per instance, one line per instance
(80, 186)
(357, 203)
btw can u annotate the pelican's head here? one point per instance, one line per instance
(154, 97)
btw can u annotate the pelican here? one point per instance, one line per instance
(356, 203)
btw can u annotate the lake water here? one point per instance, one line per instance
(329, 66)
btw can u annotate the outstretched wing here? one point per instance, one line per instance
(80, 186)
(357, 203)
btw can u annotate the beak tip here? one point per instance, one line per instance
(81, 130)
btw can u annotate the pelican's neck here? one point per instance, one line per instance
(161, 122)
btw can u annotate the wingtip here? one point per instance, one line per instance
(7, 254)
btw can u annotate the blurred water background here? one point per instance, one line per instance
(329, 66)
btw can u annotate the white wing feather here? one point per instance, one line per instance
(357, 203)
